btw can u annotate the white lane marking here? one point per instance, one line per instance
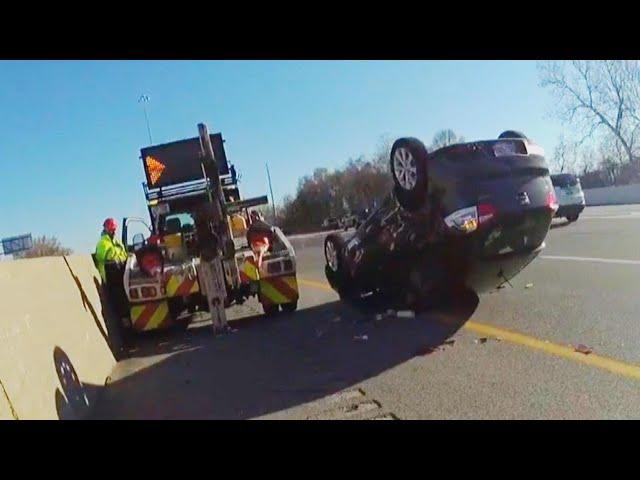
(592, 259)
(629, 216)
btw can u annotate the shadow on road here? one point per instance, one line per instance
(560, 224)
(269, 365)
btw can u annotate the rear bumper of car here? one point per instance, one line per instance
(570, 210)
(488, 273)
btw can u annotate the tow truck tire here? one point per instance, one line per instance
(289, 307)
(408, 161)
(270, 310)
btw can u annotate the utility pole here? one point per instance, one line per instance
(144, 99)
(273, 204)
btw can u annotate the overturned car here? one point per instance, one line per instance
(469, 215)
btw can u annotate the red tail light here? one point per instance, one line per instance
(486, 213)
(552, 201)
(151, 263)
(133, 293)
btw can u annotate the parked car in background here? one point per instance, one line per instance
(331, 223)
(569, 194)
(349, 221)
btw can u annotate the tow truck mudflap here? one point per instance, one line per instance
(150, 316)
(278, 290)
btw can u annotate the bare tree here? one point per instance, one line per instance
(598, 97)
(45, 247)
(445, 137)
(565, 155)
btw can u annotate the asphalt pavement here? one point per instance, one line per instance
(562, 342)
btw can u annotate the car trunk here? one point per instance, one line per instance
(510, 183)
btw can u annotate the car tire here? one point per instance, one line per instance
(408, 160)
(334, 268)
(512, 134)
(270, 310)
(289, 307)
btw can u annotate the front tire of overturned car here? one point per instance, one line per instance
(334, 270)
(408, 161)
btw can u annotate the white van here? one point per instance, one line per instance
(569, 194)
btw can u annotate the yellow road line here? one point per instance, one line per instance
(563, 351)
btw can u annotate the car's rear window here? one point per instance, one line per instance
(565, 180)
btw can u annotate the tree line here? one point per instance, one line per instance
(360, 184)
(599, 104)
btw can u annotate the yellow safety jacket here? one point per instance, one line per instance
(109, 250)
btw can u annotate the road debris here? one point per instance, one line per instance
(528, 285)
(580, 348)
(361, 338)
(481, 340)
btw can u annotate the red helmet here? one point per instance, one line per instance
(110, 225)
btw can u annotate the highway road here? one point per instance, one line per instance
(510, 354)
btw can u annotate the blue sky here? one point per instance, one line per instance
(71, 131)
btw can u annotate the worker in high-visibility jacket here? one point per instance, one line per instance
(109, 248)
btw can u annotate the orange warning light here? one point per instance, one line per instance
(155, 169)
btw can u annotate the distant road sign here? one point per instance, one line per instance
(17, 244)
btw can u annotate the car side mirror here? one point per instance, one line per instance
(138, 241)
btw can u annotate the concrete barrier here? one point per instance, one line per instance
(622, 195)
(54, 348)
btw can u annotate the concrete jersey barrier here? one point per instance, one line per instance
(54, 348)
(622, 195)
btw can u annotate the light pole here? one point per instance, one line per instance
(273, 204)
(144, 99)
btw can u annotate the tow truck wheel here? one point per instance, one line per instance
(270, 310)
(409, 171)
(289, 307)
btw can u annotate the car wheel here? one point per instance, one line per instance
(289, 307)
(270, 310)
(409, 171)
(334, 268)
(512, 134)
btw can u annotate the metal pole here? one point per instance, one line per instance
(273, 204)
(144, 99)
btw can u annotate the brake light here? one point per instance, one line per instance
(486, 212)
(552, 201)
(133, 293)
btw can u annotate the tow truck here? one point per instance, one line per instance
(190, 257)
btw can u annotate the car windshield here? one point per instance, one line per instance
(564, 180)
(176, 223)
